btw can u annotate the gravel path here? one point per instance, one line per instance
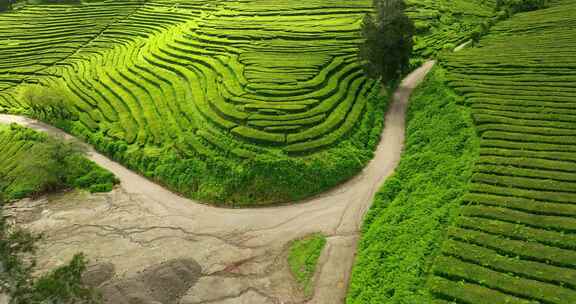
(143, 238)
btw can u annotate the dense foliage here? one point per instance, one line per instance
(445, 24)
(388, 35)
(4, 5)
(303, 257)
(17, 263)
(236, 102)
(404, 228)
(517, 6)
(515, 240)
(32, 163)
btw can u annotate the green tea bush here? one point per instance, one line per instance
(404, 229)
(514, 239)
(217, 88)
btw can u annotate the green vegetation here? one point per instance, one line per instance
(517, 6)
(445, 24)
(62, 285)
(404, 228)
(515, 240)
(4, 5)
(256, 102)
(33, 163)
(442, 25)
(17, 264)
(303, 258)
(230, 102)
(388, 41)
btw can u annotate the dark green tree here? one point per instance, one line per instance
(517, 6)
(5, 5)
(388, 32)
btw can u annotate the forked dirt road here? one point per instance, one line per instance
(153, 246)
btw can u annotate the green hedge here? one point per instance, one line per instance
(446, 290)
(505, 282)
(522, 204)
(492, 259)
(514, 231)
(557, 223)
(404, 228)
(517, 248)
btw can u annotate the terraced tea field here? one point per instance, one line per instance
(197, 80)
(261, 101)
(515, 241)
(443, 24)
(210, 97)
(218, 69)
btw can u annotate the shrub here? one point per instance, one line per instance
(63, 285)
(36, 163)
(517, 6)
(403, 229)
(46, 103)
(107, 187)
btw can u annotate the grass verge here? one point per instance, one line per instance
(303, 258)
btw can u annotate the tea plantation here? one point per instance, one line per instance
(221, 100)
(255, 102)
(507, 234)
(515, 241)
(232, 102)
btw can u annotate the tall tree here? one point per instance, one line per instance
(388, 34)
(5, 5)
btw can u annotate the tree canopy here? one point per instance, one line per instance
(5, 5)
(388, 43)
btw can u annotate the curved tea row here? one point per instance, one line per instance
(190, 84)
(163, 70)
(189, 91)
(515, 241)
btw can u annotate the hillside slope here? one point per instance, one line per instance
(229, 101)
(515, 241)
(403, 229)
(237, 102)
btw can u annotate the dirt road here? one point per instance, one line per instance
(155, 246)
